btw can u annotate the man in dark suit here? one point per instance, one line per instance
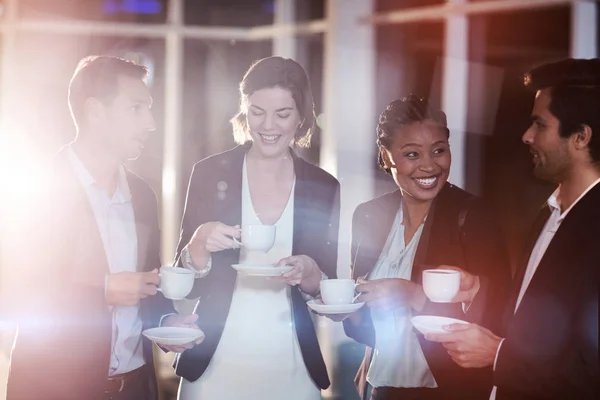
(84, 254)
(550, 344)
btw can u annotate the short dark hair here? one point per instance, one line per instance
(279, 72)
(97, 77)
(574, 96)
(400, 113)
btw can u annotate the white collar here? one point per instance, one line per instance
(553, 200)
(122, 194)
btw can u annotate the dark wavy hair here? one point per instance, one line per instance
(400, 113)
(574, 96)
(279, 72)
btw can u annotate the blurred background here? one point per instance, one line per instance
(466, 57)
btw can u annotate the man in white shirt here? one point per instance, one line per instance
(549, 346)
(86, 261)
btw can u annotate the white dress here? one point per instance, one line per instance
(258, 356)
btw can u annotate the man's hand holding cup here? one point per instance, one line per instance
(128, 288)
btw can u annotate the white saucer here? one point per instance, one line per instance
(168, 335)
(433, 324)
(319, 307)
(261, 270)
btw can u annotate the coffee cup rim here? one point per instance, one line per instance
(258, 226)
(176, 269)
(448, 271)
(338, 280)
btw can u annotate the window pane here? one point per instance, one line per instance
(212, 73)
(389, 5)
(309, 10)
(240, 13)
(144, 11)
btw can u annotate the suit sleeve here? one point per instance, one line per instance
(330, 250)
(360, 329)
(190, 223)
(570, 370)
(157, 305)
(36, 248)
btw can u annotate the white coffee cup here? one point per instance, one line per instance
(258, 237)
(441, 285)
(337, 291)
(176, 283)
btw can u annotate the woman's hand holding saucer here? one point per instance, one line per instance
(305, 273)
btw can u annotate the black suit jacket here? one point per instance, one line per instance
(214, 194)
(478, 247)
(550, 349)
(55, 288)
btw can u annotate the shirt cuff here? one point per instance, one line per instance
(498, 352)
(163, 317)
(188, 262)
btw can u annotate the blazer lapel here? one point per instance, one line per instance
(301, 202)
(422, 249)
(517, 280)
(89, 263)
(142, 225)
(564, 248)
(229, 193)
(370, 247)
(228, 204)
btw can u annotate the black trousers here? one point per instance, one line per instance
(140, 388)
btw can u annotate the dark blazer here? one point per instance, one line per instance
(214, 194)
(550, 349)
(56, 292)
(477, 247)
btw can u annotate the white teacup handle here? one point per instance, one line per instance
(236, 241)
(357, 294)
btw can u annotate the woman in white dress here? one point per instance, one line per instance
(260, 341)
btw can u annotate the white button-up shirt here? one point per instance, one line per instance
(116, 224)
(541, 245)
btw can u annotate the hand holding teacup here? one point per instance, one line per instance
(391, 293)
(128, 288)
(212, 237)
(336, 292)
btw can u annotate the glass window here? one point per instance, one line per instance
(240, 13)
(212, 73)
(309, 10)
(389, 5)
(143, 11)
